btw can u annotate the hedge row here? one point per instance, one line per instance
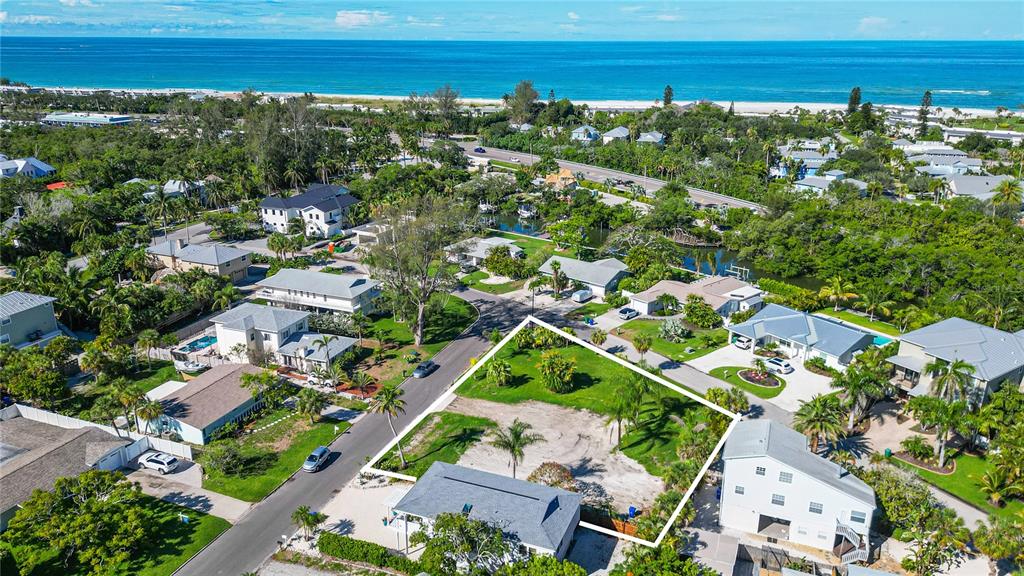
(346, 548)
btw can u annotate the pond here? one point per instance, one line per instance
(721, 261)
(535, 226)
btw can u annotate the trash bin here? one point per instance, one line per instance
(888, 452)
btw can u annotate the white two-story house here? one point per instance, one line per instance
(320, 291)
(322, 207)
(773, 486)
(262, 329)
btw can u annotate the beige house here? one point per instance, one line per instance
(27, 320)
(216, 259)
(561, 180)
(727, 295)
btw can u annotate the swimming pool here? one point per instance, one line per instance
(204, 342)
(879, 340)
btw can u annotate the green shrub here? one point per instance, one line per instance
(674, 330)
(918, 447)
(345, 548)
(616, 299)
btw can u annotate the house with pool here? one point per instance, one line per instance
(802, 336)
(997, 357)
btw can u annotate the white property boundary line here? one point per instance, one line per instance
(448, 394)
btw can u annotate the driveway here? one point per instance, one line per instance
(184, 488)
(801, 384)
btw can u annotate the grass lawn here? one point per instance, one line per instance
(441, 436)
(597, 381)
(862, 321)
(735, 380)
(150, 378)
(592, 309)
(531, 245)
(84, 396)
(475, 280)
(289, 441)
(964, 484)
(173, 543)
(672, 350)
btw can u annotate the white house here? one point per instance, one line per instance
(475, 250)
(820, 184)
(367, 234)
(323, 209)
(320, 291)
(772, 485)
(585, 134)
(541, 519)
(727, 295)
(803, 336)
(30, 167)
(86, 119)
(653, 137)
(27, 320)
(980, 187)
(205, 404)
(617, 133)
(261, 329)
(601, 276)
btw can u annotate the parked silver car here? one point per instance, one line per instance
(779, 366)
(316, 459)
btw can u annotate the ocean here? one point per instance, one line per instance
(962, 74)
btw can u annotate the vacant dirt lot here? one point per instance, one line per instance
(574, 438)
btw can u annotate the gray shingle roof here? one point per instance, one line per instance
(757, 438)
(600, 273)
(315, 195)
(538, 515)
(208, 254)
(822, 334)
(617, 132)
(264, 318)
(210, 396)
(980, 187)
(992, 352)
(653, 136)
(14, 302)
(345, 286)
(38, 453)
(304, 345)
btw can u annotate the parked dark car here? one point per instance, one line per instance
(424, 369)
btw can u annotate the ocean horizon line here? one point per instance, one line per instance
(536, 41)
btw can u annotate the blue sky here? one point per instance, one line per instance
(521, 19)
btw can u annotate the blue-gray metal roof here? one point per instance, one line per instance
(347, 286)
(537, 515)
(803, 328)
(992, 352)
(305, 346)
(600, 273)
(14, 302)
(767, 438)
(209, 254)
(263, 318)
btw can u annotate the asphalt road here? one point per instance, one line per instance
(255, 537)
(598, 174)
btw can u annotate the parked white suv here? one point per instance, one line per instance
(742, 342)
(159, 461)
(779, 366)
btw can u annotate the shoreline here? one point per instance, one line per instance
(740, 107)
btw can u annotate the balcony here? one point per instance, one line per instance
(852, 547)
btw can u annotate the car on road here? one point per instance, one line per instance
(514, 159)
(424, 369)
(627, 313)
(479, 150)
(159, 461)
(316, 459)
(779, 366)
(742, 342)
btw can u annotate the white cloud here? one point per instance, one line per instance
(872, 24)
(667, 18)
(33, 19)
(360, 18)
(3, 16)
(434, 22)
(73, 3)
(573, 16)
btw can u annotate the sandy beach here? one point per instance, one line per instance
(753, 108)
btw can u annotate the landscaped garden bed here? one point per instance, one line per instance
(732, 375)
(965, 483)
(700, 342)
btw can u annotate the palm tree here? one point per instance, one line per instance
(620, 411)
(842, 457)
(106, 409)
(499, 372)
(388, 401)
(150, 411)
(1008, 193)
(860, 388)
(147, 340)
(324, 341)
(875, 300)
(760, 367)
(223, 298)
(307, 520)
(837, 291)
(950, 381)
(642, 342)
(944, 416)
(997, 484)
(310, 402)
(362, 381)
(557, 278)
(514, 441)
(598, 337)
(359, 323)
(998, 303)
(129, 396)
(820, 418)
(668, 302)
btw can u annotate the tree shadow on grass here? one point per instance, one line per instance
(460, 440)
(171, 535)
(652, 433)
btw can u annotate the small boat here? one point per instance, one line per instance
(527, 211)
(189, 366)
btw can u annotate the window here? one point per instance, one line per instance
(858, 517)
(801, 530)
(759, 471)
(252, 337)
(739, 490)
(778, 499)
(5, 338)
(815, 508)
(266, 337)
(6, 321)
(786, 477)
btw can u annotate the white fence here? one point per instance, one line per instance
(61, 421)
